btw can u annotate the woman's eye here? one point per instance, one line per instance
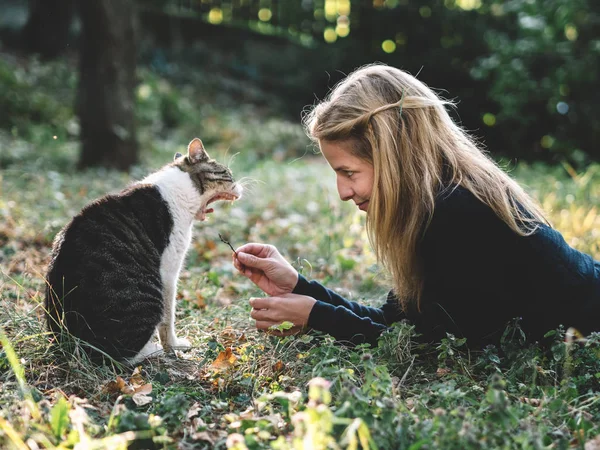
(349, 173)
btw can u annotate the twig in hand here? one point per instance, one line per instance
(228, 243)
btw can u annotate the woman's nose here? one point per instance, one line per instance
(344, 189)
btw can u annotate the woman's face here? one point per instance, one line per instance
(354, 175)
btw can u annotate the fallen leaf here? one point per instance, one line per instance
(594, 444)
(145, 389)
(141, 399)
(136, 377)
(442, 371)
(210, 436)
(230, 336)
(531, 401)
(224, 360)
(200, 300)
(136, 385)
(193, 411)
(117, 387)
(278, 366)
(248, 413)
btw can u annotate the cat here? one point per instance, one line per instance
(114, 267)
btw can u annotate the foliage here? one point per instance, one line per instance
(238, 388)
(542, 68)
(523, 71)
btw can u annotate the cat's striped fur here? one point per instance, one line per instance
(113, 274)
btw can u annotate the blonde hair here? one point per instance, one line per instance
(401, 127)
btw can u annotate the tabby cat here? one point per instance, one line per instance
(114, 268)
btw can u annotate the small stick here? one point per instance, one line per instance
(228, 243)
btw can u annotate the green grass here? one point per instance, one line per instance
(238, 388)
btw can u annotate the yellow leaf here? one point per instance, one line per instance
(136, 378)
(224, 360)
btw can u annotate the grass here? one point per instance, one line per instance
(238, 388)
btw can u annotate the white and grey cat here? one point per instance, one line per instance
(113, 274)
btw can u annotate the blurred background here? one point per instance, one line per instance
(108, 78)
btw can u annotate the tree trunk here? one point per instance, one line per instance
(106, 94)
(47, 29)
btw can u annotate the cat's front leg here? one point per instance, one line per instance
(166, 329)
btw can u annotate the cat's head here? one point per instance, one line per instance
(212, 179)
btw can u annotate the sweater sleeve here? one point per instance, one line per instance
(345, 320)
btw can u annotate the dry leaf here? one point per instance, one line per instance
(145, 389)
(117, 387)
(224, 361)
(136, 377)
(230, 336)
(210, 436)
(135, 386)
(594, 444)
(442, 371)
(141, 399)
(531, 401)
(248, 413)
(200, 300)
(193, 411)
(278, 366)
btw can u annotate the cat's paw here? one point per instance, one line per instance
(179, 344)
(150, 349)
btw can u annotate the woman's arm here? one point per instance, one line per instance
(345, 320)
(293, 298)
(389, 313)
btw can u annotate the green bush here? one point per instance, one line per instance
(542, 69)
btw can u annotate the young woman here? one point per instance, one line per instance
(467, 250)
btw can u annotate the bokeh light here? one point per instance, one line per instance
(330, 35)
(215, 16)
(489, 119)
(571, 32)
(468, 5)
(425, 12)
(388, 46)
(547, 141)
(264, 14)
(331, 10)
(562, 108)
(342, 28)
(343, 7)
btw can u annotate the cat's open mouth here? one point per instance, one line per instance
(224, 196)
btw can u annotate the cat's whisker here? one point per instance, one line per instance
(231, 158)
(247, 181)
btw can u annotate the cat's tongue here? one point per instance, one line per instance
(202, 214)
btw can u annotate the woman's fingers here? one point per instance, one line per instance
(252, 248)
(261, 315)
(262, 302)
(252, 261)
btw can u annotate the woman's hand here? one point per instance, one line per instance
(272, 311)
(265, 267)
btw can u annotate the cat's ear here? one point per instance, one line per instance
(196, 151)
(177, 156)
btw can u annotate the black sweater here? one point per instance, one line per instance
(479, 274)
